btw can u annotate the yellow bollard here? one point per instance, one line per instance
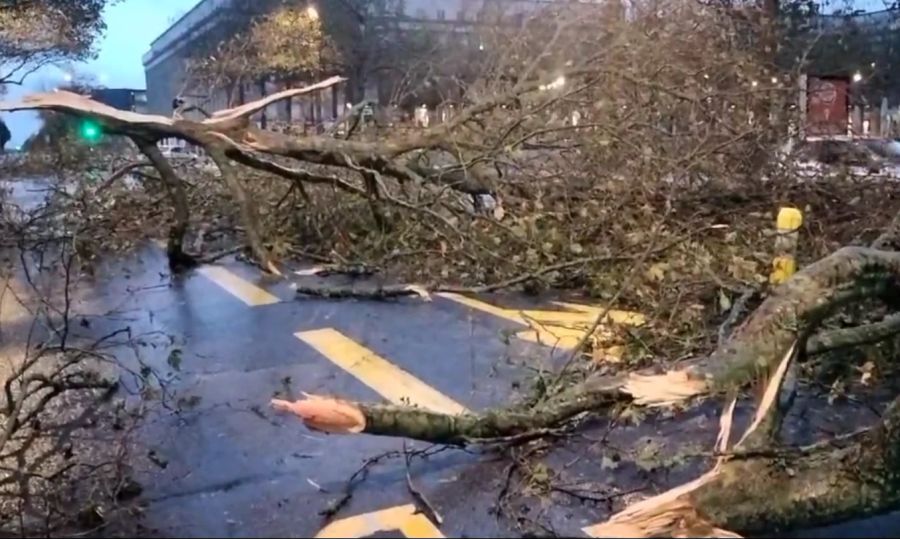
(788, 229)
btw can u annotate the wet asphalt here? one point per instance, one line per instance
(223, 464)
(215, 461)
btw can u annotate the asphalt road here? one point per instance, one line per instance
(215, 461)
(234, 468)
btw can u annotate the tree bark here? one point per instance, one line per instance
(797, 307)
(769, 490)
(247, 208)
(178, 258)
(825, 484)
(543, 412)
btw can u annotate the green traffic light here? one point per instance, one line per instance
(90, 131)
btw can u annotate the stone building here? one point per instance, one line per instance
(211, 21)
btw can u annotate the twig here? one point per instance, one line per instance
(360, 475)
(736, 310)
(210, 258)
(417, 494)
(584, 496)
(108, 182)
(375, 293)
(579, 348)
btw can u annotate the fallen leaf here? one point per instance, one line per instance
(657, 272)
(611, 354)
(724, 302)
(174, 359)
(868, 372)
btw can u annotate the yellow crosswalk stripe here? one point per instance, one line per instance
(240, 288)
(553, 328)
(404, 518)
(387, 379)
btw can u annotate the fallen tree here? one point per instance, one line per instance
(505, 137)
(828, 482)
(656, 153)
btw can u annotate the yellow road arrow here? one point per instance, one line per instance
(563, 329)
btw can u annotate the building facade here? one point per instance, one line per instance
(862, 46)
(213, 20)
(121, 98)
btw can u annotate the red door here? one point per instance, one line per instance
(828, 108)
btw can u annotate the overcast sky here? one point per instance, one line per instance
(131, 26)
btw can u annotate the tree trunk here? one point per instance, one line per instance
(826, 484)
(371, 182)
(247, 208)
(178, 259)
(764, 489)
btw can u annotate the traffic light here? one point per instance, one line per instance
(90, 131)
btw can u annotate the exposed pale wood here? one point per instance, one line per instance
(253, 107)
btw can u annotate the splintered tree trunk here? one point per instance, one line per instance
(764, 488)
(178, 259)
(831, 483)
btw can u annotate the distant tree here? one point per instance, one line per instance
(291, 42)
(226, 68)
(286, 44)
(34, 33)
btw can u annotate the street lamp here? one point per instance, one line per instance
(857, 76)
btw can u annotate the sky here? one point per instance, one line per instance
(131, 26)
